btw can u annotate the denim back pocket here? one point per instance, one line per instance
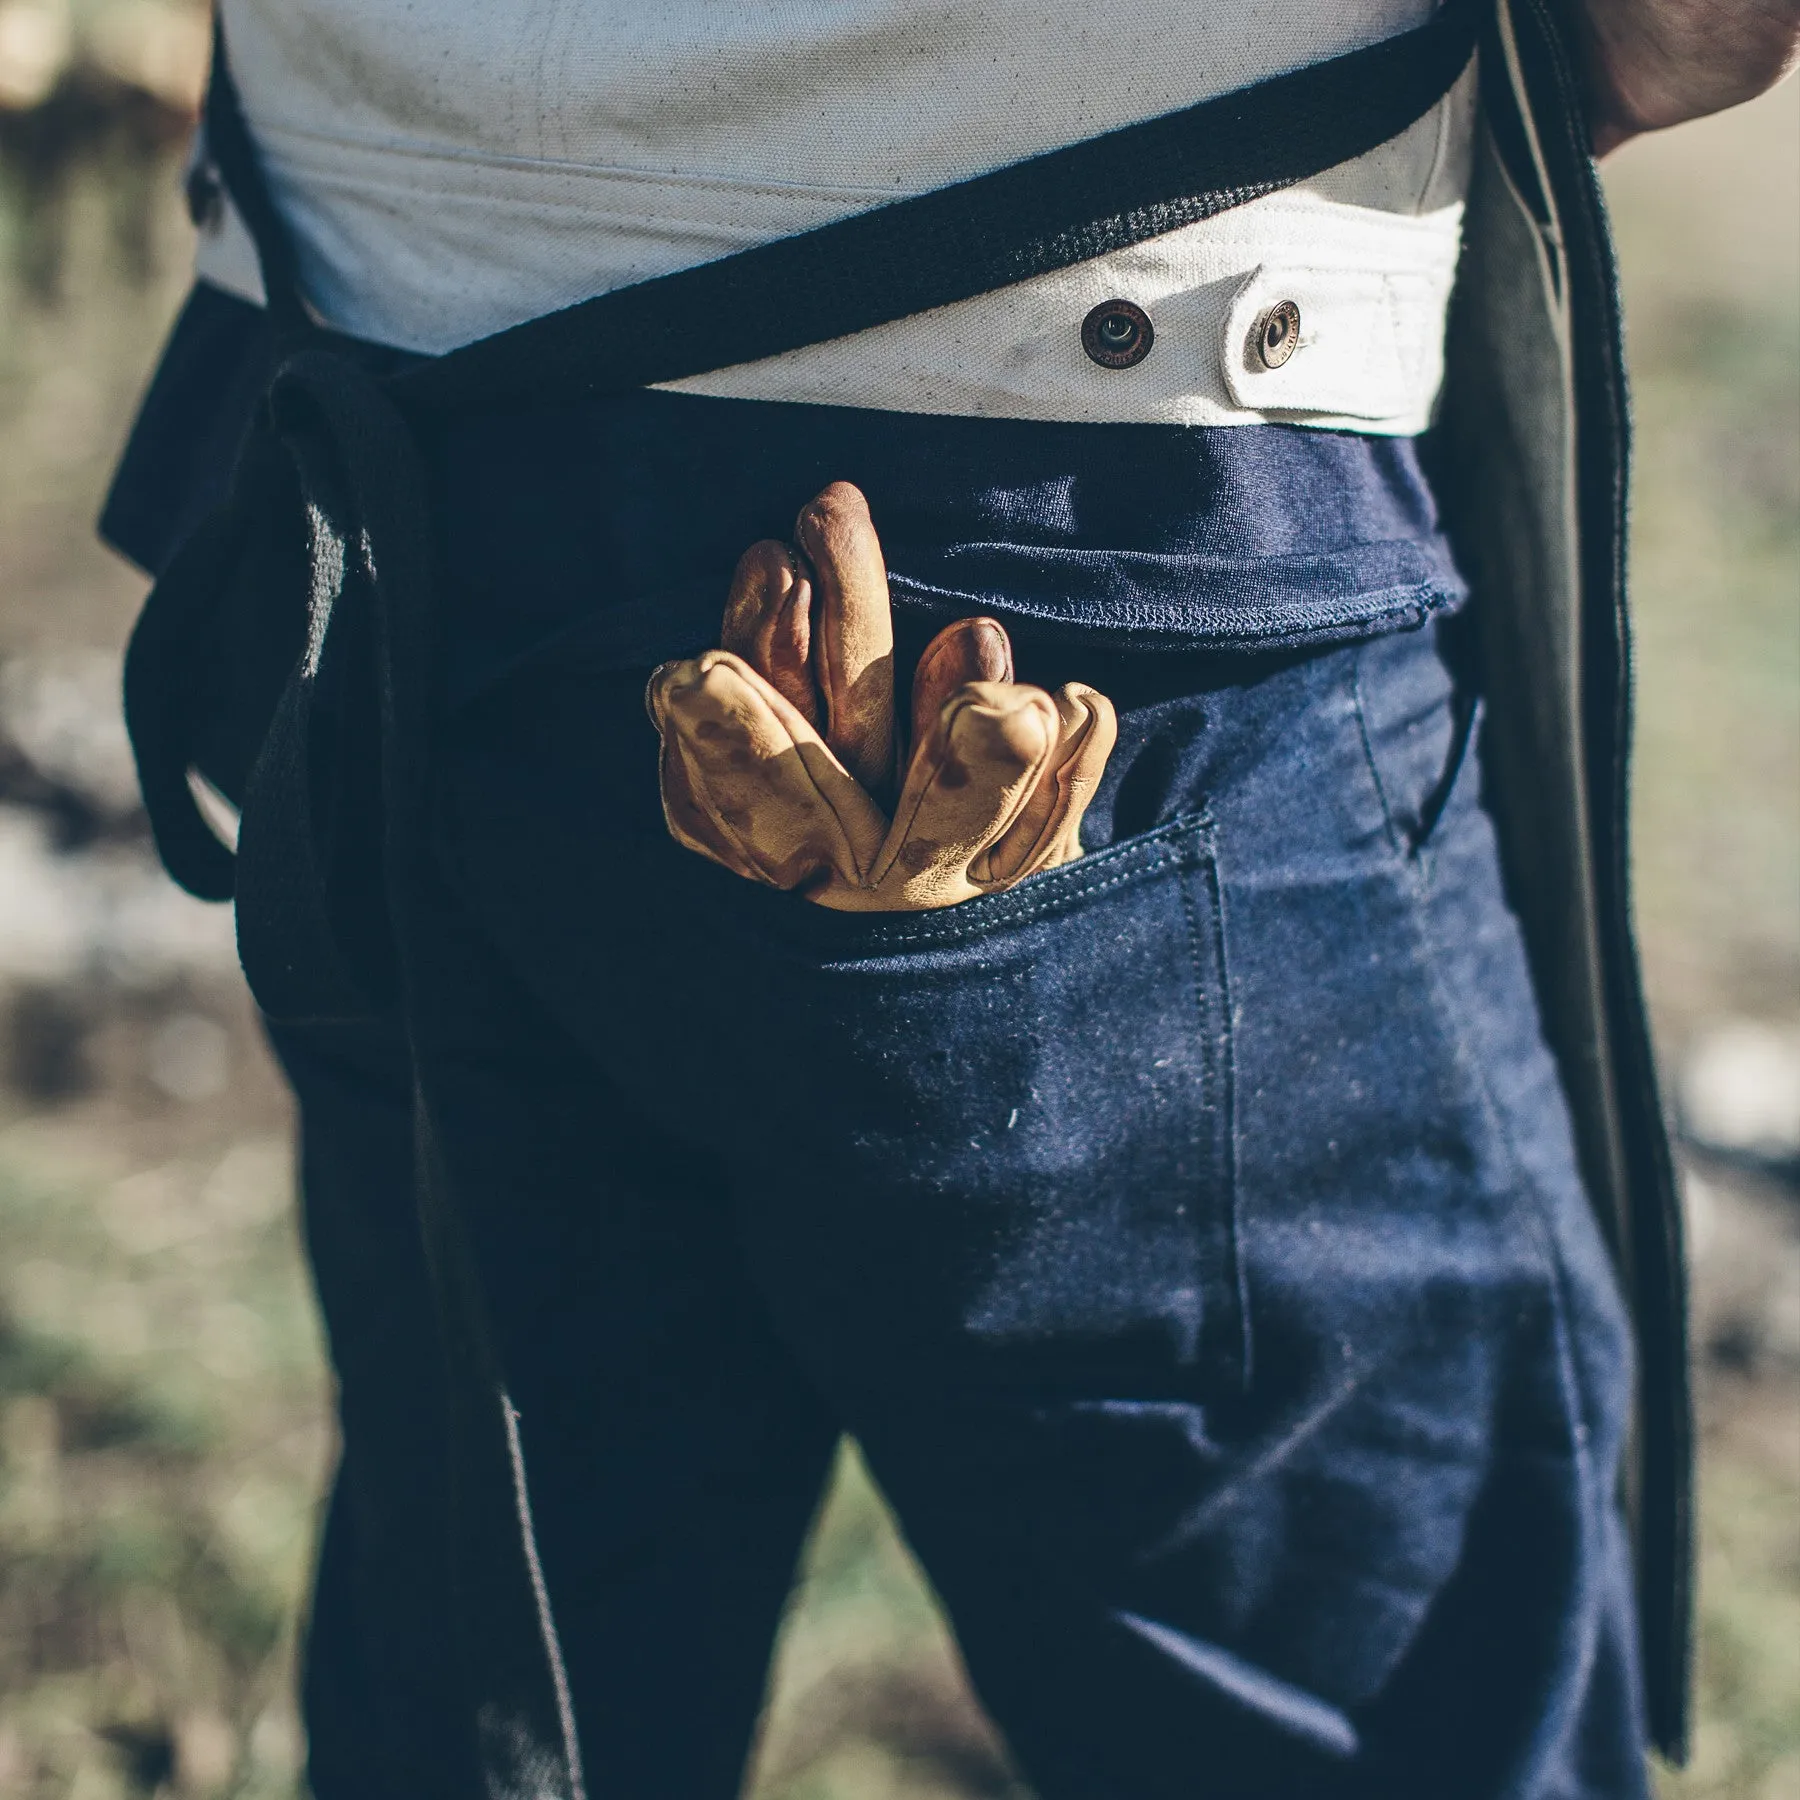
(996, 1136)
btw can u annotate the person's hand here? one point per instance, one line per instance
(1655, 63)
(779, 750)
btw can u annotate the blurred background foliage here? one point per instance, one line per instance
(163, 1405)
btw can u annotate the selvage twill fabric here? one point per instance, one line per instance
(1229, 1330)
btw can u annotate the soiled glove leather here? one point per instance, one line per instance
(780, 750)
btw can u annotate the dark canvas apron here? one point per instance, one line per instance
(285, 654)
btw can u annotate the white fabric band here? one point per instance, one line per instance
(422, 221)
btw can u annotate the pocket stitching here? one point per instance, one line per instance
(851, 936)
(1225, 1337)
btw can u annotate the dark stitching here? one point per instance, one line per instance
(1395, 836)
(1026, 915)
(1414, 845)
(1144, 626)
(1218, 1114)
(1170, 845)
(1225, 1043)
(1465, 712)
(1219, 1273)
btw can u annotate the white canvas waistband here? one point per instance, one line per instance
(1370, 289)
(1370, 285)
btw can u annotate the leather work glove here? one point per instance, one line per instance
(780, 750)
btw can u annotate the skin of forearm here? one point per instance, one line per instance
(1656, 63)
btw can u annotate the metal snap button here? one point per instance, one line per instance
(1276, 335)
(1117, 334)
(205, 194)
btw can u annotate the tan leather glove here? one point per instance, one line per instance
(779, 749)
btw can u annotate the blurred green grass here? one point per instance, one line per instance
(162, 1400)
(161, 1437)
(1708, 222)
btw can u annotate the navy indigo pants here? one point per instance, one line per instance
(1191, 1236)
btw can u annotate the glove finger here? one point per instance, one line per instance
(968, 650)
(768, 622)
(691, 824)
(690, 820)
(759, 773)
(1047, 831)
(983, 757)
(853, 632)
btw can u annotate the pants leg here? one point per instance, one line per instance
(673, 1450)
(381, 1691)
(674, 1453)
(1233, 1339)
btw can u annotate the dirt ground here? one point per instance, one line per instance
(163, 1430)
